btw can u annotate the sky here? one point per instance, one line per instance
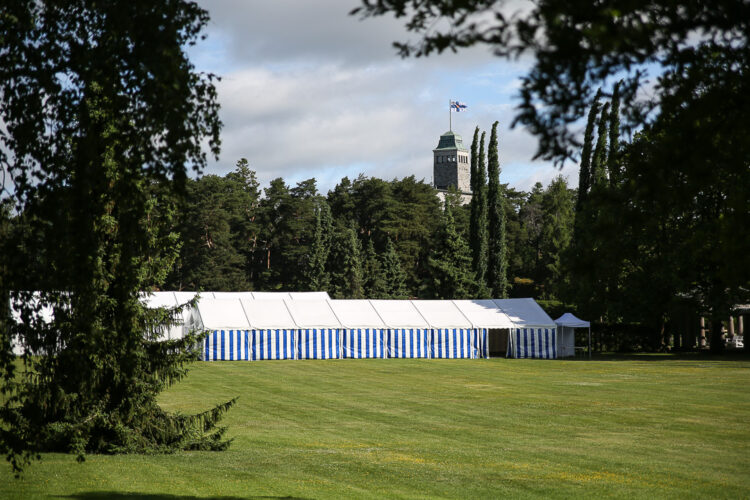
(307, 90)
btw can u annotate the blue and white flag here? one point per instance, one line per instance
(457, 106)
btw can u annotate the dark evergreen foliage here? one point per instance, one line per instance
(345, 265)
(599, 160)
(375, 286)
(584, 173)
(478, 228)
(497, 269)
(451, 276)
(393, 276)
(613, 157)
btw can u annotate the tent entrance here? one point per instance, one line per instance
(497, 338)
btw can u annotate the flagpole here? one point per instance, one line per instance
(450, 117)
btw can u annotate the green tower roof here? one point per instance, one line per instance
(451, 140)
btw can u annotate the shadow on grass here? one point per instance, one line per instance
(660, 356)
(116, 495)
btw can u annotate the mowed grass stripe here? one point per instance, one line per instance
(663, 427)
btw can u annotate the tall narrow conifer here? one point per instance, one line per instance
(346, 266)
(478, 222)
(316, 275)
(599, 160)
(497, 269)
(450, 263)
(584, 174)
(393, 274)
(613, 161)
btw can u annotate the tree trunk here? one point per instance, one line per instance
(702, 340)
(717, 337)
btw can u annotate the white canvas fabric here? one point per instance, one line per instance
(218, 314)
(409, 342)
(226, 345)
(312, 314)
(483, 313)
(318, 343)
(270, 295)
(309, 296)
(441, 314)
(525, 313)
(359, 343)
(356, 314)
(263, 314)
(232, 295)
(568, 319)
(399, 314)
(452, 343)
(273, 343)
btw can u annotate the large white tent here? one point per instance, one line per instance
(408, 332)
(453, 335)
(228, 328)
(533, 334)
(273, 332)
(167, 300)
(318, 334)
(363, 333)
(566, 339)
(485, 316)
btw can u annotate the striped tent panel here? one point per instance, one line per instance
(226, 345)
(363, 343)
(481, 343)
(318, 343)
(408, 343)
(452, 343)
(273, 343)
(539, 343)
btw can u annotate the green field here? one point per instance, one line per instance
(650, 426)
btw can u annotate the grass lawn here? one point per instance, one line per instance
(644, 426)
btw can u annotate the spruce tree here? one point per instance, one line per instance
(584, 174)
(497, 279)
(316, 274)
(599, 161)
(100, 123)
(613, 161)
(478, 223)
(393, 275)
(345, 264)
(449, 263)
(374, 280)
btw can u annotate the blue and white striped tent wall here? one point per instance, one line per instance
(318, 343)
(453, 343)
(481, 343)
(409, 343)
(273, 343)
(364, 343)
(539, 343)
(226, 345)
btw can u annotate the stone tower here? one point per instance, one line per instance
(452, 165)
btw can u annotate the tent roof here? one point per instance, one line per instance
(159, 299)
(312, 314)
(442, 314)
(270, 295)
(399, 313)
(267, 314)
(221, 314)
(309, 296)
(568, 319)
(356, 314)
(484, 313)
(231, 295)
(525, 312)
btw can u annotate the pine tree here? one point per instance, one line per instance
(478, 223)
(345, 264)
(584, 174)
(599, 161)
(450, 263)
(374, 280)
(613, 162)
(497, 279)
(394, 277)
(316, 274)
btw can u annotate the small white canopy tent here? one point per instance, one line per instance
(228, 329)
(484, 315)
(318, 334)
(533, 335)
(363, 333)
(273, 331)
(408, 332)
(453, 335)
(566, 325)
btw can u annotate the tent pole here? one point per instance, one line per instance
(589, 343)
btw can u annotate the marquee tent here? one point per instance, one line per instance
(485, 316)
(566, 339)
(290, 295)
(363, 333)
(408, 332)
(318, 333)
(452, 335)
(167, 300)
(273, 332)
(228, 329)
(533, 334)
